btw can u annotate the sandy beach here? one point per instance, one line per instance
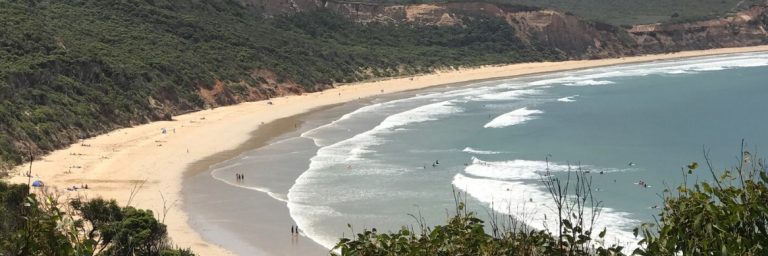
(157, 162)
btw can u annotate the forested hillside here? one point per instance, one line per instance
(626, 12)
(71, 69)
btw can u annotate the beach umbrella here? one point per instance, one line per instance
(37, 183)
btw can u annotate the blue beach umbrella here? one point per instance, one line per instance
(37, 183)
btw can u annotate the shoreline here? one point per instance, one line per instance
(244, 226)
(240, 226)
(113, 163)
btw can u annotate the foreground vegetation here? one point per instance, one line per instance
(71, 69)
(728, 216)
(42, 224)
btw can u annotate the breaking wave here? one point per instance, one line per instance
(480, 152)
(568, 99)
(512, 187)
(515, 117)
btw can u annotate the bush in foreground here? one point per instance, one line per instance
(728, 216)
(37, 224)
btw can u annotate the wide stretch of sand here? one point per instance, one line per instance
(113, 164)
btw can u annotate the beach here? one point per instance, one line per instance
(155, 159)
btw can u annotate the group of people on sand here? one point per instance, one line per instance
(294, 230)
(75, 188)
(239, 177)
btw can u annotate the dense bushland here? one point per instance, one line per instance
(71, 69)
(42, 224)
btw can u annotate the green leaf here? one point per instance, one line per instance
(567, 224)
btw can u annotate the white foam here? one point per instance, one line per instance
(505, 95)
(529, 203)
(519, 169)
(515, 117)
(679, 72)
(312, 134)
(582, 78)
(354, 148)
(479, 91)
(512, 170)
(420, 114)
(384, 107)
(568, 99)
(513, 187)
(599, 76)
(589, 82)
(480, 152)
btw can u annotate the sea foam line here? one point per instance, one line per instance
(598, 76)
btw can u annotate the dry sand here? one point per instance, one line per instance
(113, 164)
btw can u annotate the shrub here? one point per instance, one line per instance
(36, 224)
(725, 216)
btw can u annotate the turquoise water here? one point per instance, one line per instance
(374, 165)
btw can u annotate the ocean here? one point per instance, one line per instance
(374, 163)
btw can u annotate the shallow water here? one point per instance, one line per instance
(375, 164)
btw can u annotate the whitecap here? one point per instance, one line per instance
(480, 152)
(675, 72)
(515, 117)
(589, 82)
(568, 99)
(513, 170)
